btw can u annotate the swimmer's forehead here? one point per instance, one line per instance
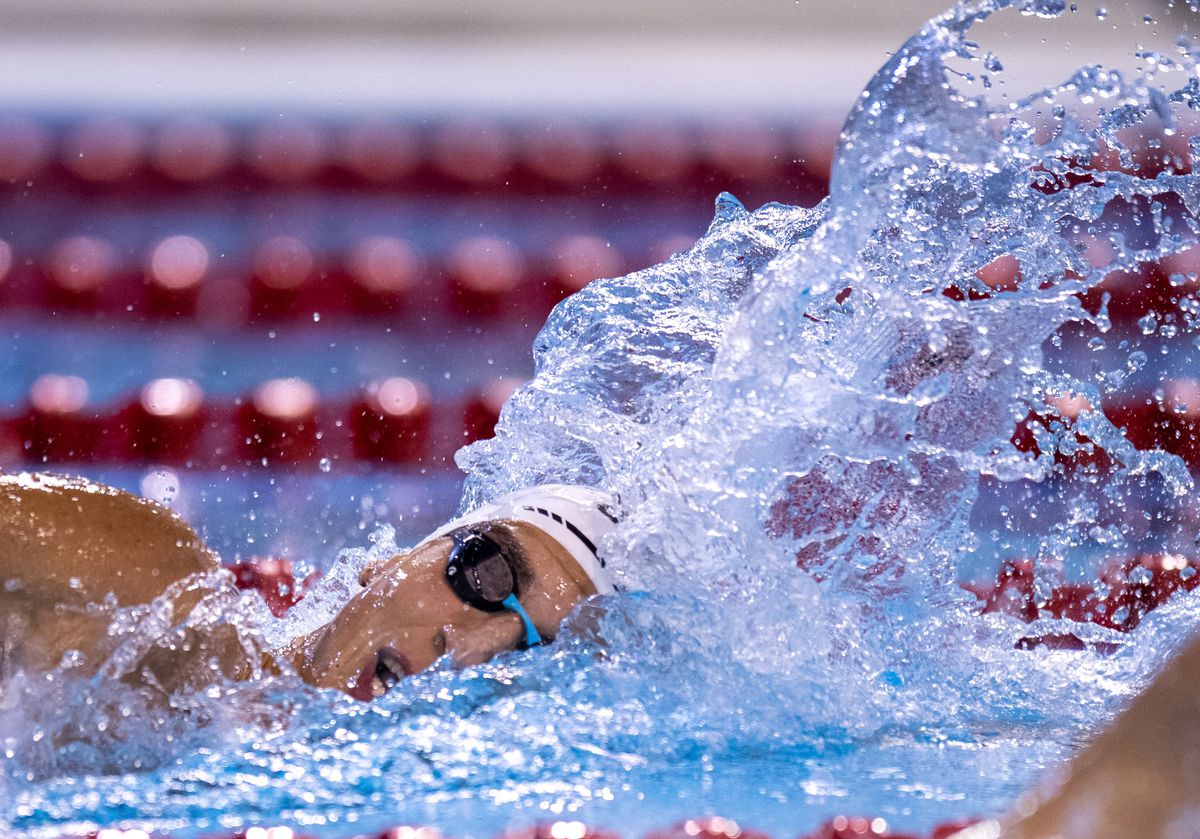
(506, 533)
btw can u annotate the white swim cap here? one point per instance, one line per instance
(576, 517)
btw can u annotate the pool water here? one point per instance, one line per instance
(808, 419)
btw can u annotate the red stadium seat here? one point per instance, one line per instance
(166, 421)
(813, 146)
(1064, 411)
(1132, 295)
(12, 441)
(383, 273)
(271, 833)
(949, 829)
(559, 830)
(192, 150)
(482, 410)
(743, 151)
(561, 153)
(1013, 594)
(175, 269)
(6, 261)
(79, 271)
(391, 423)
(278, 424)
(487, 277)
(408, 832)
(1001, 274)
(104, 150)
(577, 260)
(654, 152)
(1126, 592)
(379, 151)
(473, 152)
(856, 827)
(61, 425)
(1153, 153)
(283, 276)
(668, 247)
(1170, 423)
(25, 149)
(288, 151)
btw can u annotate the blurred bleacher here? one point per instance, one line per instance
(311, 236)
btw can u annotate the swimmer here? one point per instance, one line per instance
(499, 579)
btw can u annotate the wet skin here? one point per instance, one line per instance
(67, 544)
(407, 617)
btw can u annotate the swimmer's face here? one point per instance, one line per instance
(407, 617)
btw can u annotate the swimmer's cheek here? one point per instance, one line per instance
(480, 644)
(503, 634)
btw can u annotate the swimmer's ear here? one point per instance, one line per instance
(369, 572)
(371, 569)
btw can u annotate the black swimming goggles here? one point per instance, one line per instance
(483, 577)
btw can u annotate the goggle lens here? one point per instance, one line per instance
(483, 577)
(479, 572)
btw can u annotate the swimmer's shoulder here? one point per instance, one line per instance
(94, 538)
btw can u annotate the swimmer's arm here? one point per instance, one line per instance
(1139, 778)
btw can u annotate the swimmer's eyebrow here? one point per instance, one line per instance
(504, 536)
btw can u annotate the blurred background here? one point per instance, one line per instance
(272, 263)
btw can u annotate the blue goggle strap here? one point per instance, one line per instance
(532, 638)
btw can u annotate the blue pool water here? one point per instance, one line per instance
(750, 415)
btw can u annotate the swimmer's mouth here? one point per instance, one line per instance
(381, 675)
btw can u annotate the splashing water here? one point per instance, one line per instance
(830, 388)
(807, 417)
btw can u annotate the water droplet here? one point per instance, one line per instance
(161, 485)
(324, 464)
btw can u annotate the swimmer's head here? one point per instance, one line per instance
(496, 580)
